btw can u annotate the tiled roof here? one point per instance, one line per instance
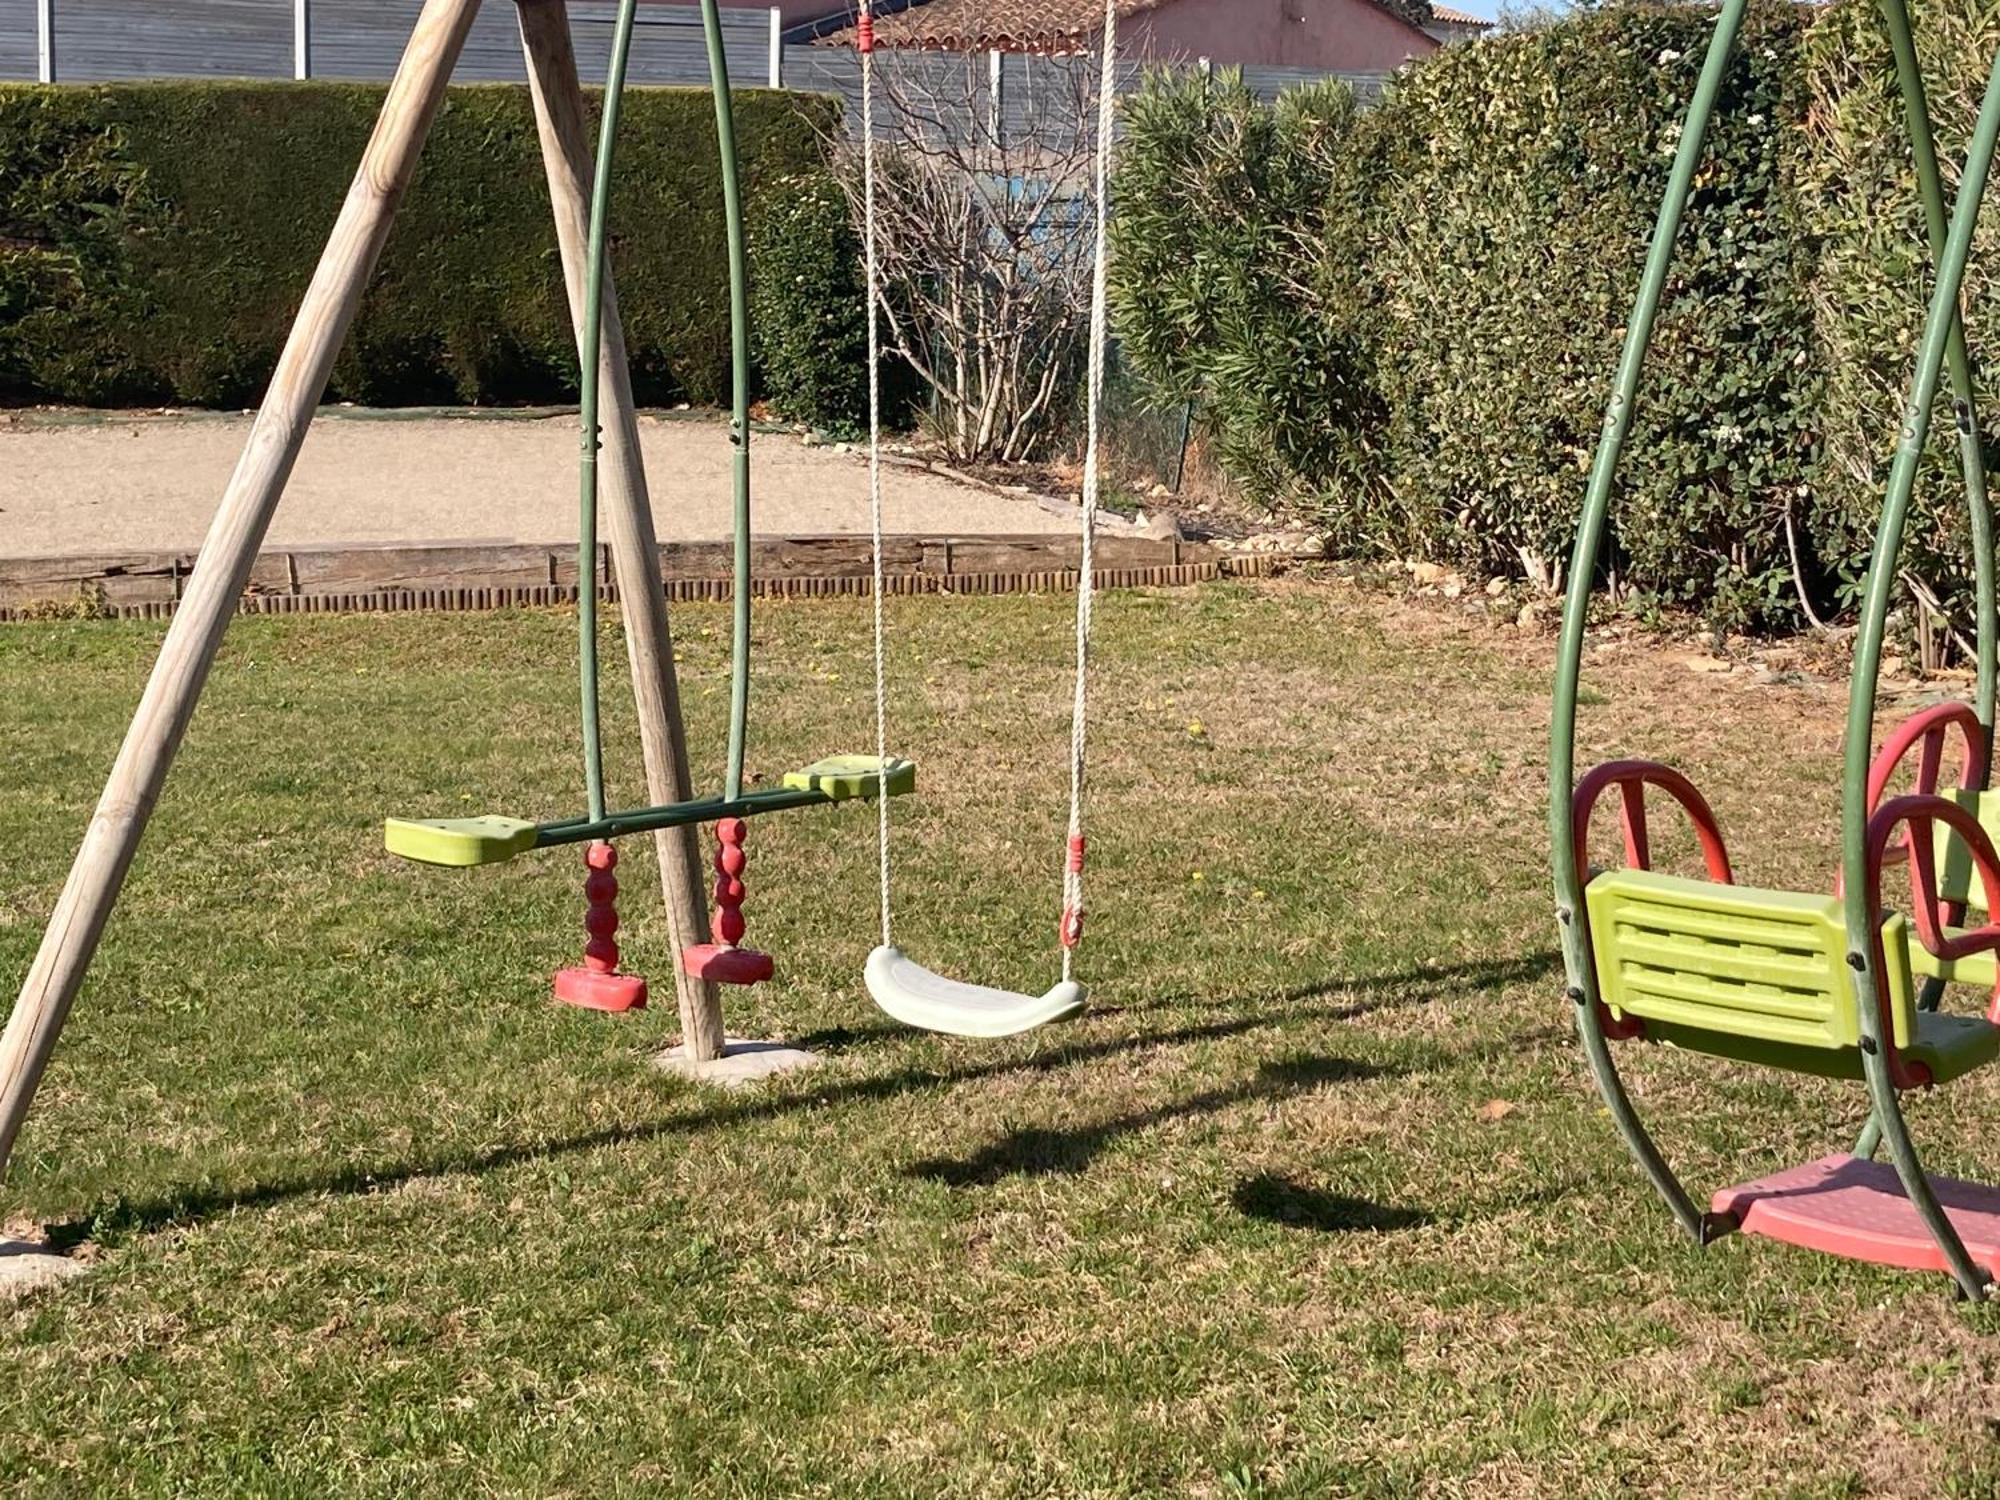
(995, 25)
(1450, 17)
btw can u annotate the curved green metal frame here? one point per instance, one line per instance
(1943, 349)
(896, 778)
(591, 354)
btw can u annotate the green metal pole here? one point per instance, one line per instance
(1958, 363)
(1972, 455)
(1576, 608)
(739, 427)
(591, 354)
(1861, 920)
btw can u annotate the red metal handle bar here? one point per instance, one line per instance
(1918, 813)
(1931, 728)
(1632, 777)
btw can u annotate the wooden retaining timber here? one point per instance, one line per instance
(399, 579)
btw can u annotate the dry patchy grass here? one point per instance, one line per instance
(1317, 1200)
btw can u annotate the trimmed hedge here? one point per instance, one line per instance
(1861, 204)
(1522, 185)
(809, 307)
(155, 240)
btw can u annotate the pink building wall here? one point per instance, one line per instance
(1338, 35)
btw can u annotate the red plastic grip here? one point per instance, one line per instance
(727, 927)
(600, 917)
(864, 32)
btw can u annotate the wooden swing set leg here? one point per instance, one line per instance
(223, 568)
(635, 552)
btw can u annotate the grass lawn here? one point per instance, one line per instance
(1317, 1200)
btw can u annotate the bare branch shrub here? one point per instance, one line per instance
(985, 237)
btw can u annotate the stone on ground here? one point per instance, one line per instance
(742, 1063)
(29, 1266)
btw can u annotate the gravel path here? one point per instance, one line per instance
(74, 487)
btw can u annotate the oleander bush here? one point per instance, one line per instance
(1405, 323)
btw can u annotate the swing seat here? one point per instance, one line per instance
(1761, 976)
(842, 778)
(912, 994)
(459, 842)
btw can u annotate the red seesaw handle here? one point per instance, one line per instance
(1632, 777)
(1929, 729)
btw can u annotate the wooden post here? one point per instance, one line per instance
(568, 158)
(219, 576)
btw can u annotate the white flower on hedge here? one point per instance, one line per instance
(1669, 56)
(1729, 434)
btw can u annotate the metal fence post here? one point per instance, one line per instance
(45, 40)
(777, 46)
(996, 94)
(302, 66)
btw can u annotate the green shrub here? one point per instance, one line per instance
(809, 306)
(1406, 324)
(1223, 206)
(155, 240)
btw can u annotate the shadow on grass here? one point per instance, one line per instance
(1298, 1205)
(1043, 1153)
(1378, 992)
(1406, 988)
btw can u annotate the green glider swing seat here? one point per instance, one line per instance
(1834, 985)
(465, 842)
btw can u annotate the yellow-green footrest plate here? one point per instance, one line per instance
(843, 777)
(459, 842)
(1975, 968)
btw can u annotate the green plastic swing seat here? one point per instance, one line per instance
(459, 842)
(1761, 976)
(845, 777)
(908, 992)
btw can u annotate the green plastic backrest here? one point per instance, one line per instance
(1765, 966)
(1957, 879)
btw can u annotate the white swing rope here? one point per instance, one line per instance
(1086, 583)
(1107, 107)
(873, 273)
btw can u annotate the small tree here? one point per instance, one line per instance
(985, 240)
